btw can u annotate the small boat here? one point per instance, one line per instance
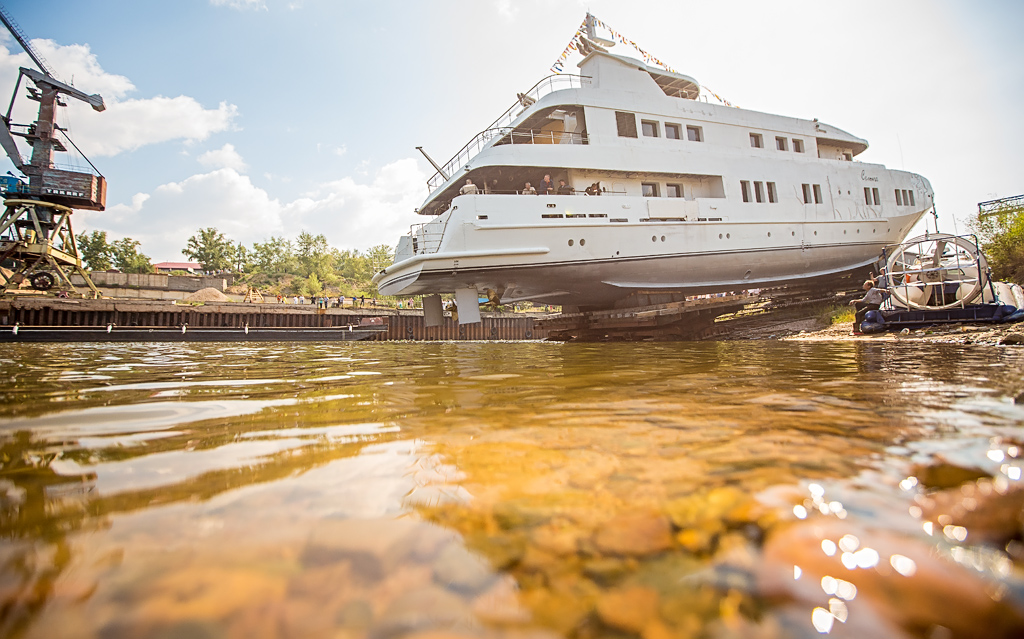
(940, 278)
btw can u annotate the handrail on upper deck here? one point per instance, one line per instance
(539, 90)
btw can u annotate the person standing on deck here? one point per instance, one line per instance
(547, 187)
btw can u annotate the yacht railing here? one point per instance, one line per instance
(426, 237)
(500, 125)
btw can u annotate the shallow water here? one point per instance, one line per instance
(768, 489)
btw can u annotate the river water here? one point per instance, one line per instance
(729, 489)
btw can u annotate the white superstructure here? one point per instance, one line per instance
(693, 197)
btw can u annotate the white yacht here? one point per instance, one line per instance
(669, 193)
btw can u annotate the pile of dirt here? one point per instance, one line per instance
(207, 295)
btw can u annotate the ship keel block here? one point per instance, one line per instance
(467, 299)
(433, 312)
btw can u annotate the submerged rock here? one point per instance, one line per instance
(880, 579)
(636, 534)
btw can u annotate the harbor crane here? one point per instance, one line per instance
(35, 227)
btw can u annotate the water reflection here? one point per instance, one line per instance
(777, 489)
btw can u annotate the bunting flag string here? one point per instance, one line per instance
(575, 44)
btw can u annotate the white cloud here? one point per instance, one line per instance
(240, 4)
(226, 157)
(353, 215)
(507, 9)
(127, 124)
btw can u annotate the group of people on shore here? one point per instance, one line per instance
(546, 187)
(323, 301)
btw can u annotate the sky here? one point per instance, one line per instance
(272, 117)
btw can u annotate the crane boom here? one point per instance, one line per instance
(15, 30)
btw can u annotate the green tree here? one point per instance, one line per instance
(126, 257)
(1001, 234)
(95, 250)
(314, 255)
(380, 256)
(273, 257)
(210, 248)
(311, 286)
(239, 257)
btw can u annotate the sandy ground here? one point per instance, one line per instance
(812, 330)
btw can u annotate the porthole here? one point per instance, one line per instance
(570, 242)
(858, 230)
(769, 233)
(815, 232)
(874, 230)
(793, 233)
(844, 231)
(582, 241)
(662, 238)
(654, 238)
(727, 236)
(719, 236)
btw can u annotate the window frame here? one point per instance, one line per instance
(817, 193)
(759, 192)
(798, 145)
(867, 195)
(677, 187)
(654, 127)
(876, 196)
(671, 126)
(625, 123)
(745, 190)
(756, 141)
(697, 131)
(808, 197)
(773, 194)
(652, 185)
(899, 198)
(781, 143)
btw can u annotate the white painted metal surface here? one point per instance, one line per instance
(734, 199)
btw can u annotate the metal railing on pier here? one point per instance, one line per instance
(500, 126)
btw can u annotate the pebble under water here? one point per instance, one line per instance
(520, 490)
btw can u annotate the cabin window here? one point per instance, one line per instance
(772, 195)
(848, 157)
(673, 190)
(626, 123)
(807, 193)
(745, 189)
(798, 145)
(759, 192)
(650, 128)
(673, 132)
(649, 189)
(911, 194)
(781, 144)
(817, 194)
(694, 134)
(899, 198)
(756, 141)
(874, 193)
(867, 195)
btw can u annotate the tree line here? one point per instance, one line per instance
(1001, 235)
(307, 265)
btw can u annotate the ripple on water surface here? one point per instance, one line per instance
(511, 489)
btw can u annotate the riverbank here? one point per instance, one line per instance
(815, 330)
